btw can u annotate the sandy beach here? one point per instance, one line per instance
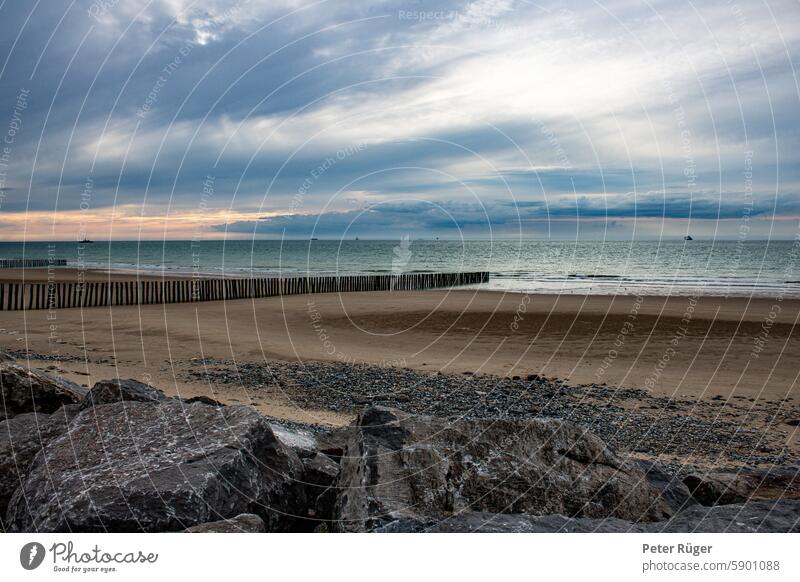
(707, 378)
(681, 346)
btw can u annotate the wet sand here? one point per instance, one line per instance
(73, 275)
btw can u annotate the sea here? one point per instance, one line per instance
(725, 268)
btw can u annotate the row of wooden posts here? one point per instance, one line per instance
(31, 263)
(18, 296)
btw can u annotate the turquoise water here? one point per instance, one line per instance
(757, 268)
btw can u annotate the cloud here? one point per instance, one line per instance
(484, 219)
(560, 110)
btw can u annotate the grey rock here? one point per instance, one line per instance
(721, 488)
(320, 469)
(483, 522)
(21, 438)
(753, 517)
(320, 473)
(424, 469)
(320, 454)
(204, 400)
(672, 489)
(333, 443)
(118, 390)
(25, 390)
(404, 525)
(242, 523)
(148, 466)
(302, 442)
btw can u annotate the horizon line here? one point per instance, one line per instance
(678, 238)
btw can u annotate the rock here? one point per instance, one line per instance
(774, 483)
(118, 390)
(19, 442)
(520, 523)
(24, 390)
(757, 516)
(6, 357)
(424, 469)
(319, 478)
(150, 466)
(242, 523)
(302, 442)
(714, 489)
(203, 400)
(320, 470)
(721, 488)
(673, 491)
(21, 438)
(793, 422)
(333, 443)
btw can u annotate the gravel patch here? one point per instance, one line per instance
(735, 432)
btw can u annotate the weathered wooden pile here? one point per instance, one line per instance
(19, 296)
(31, 263)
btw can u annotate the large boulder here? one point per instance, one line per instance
(753, 517)
(244, 523)
(397, 467)
(25, 390)
(21, 438)
(118, 390)
(721, 488)
(149, 466)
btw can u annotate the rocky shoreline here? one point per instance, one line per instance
(482, 455)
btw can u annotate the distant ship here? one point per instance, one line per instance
(687, 237)
(85, 241)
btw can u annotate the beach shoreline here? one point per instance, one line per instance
(88, 275)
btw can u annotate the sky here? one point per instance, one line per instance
(607, 120)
